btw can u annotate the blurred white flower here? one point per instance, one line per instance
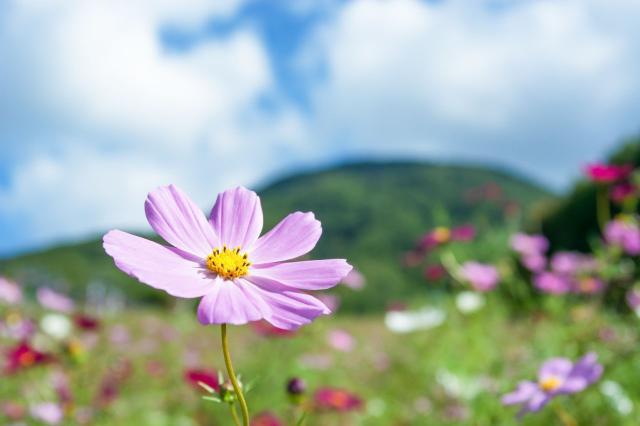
(457, 386)
(617, 397)
(47, 412)
(408, 321)
(57, 326)
(469, 301)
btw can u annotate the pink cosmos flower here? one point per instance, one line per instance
(481, 277)
(607, 173)
(10, 292)
(624, 233)
(208, 377)
(266, 418)
(557, 376)
(570, 263)
(240, 276)
(337, 400)
(550, 282)
(534, 262)
(47, 412)
(53, 300)
(341, 340)
(528, 245)
(354, 280)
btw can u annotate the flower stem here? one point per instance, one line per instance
(602, 206)
(232, 376)
(565, 418)
(236, 420)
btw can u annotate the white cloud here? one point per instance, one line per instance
(543, 85)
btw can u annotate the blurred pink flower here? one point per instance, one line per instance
(588, 285)
(553, 283)
(534, 262)
(341, 340)
(238, 275)
(529, 245)
(334, 399)
(607, 173)
(10, 292)
(463, 233)
(633, 298)
(354, 280)
(316, 361)
(480, 276)
(332, 301)
(624, 233)
(569, 262)
(55, 301)
(47, 412)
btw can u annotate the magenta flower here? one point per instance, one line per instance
(623, 191)
(10, 292)
(481, 277)
(53, 300)
(341, 340)
(334, 399)
(534, 262)
(463, 233)
(553, 283)
(240, 276)
(196, 376)
(607, 173)
(570, 263)
(266, 418)
(624, 233)
(557, 376)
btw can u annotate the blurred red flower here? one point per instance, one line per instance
(265, 329)
(266, 418)
(208, 377)
(24, 356)
(607, 173)
(85, 322)
(337, 400)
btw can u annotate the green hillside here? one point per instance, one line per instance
(371, 214)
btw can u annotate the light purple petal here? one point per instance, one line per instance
(156, 265)
(291, 309)
(179, 221)
(585, 372)
(523, 392)
(555, 367)
(296, 235)
(237, 218)
(306, 275)
(232, 302)
(537, 401)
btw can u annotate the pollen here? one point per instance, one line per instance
(228, 263)
(549, 384)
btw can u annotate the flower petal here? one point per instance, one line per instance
(292, 309)
(232, 302)
(296, 235)
(306, 275)
(157, 265)
(555, 367)
(179, 221)
(523, 392)
(237, 217)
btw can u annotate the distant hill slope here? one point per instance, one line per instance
(371, 214)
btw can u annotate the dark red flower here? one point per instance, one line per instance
(337, 400)
(265, 329)
(434, 272)
(85, 322)
(607, 173)
(266, 418)
(208, 377)
(112, 382)
(24, 356)
(622, 191)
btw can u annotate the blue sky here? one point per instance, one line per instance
(103, 101)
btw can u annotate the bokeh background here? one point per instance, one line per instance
(394, 122)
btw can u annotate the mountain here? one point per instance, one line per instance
(371, 212)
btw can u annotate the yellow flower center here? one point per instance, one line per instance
(441, 234)
(549, 384)
(228, 263)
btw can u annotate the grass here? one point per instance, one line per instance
(401, 377)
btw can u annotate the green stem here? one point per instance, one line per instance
(236, 420)
(565, 418)
(602, 206)
(232, 376)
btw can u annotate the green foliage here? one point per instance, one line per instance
(371, 214)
